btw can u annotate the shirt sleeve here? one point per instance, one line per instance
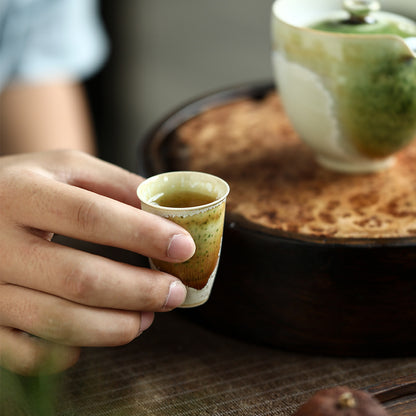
(53, 39)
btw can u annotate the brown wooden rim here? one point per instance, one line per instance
(154, 164)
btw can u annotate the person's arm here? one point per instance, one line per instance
(44, 116)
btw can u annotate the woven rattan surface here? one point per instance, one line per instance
(180, 368)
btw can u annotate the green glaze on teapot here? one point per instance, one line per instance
(386, 27)
(347, 80)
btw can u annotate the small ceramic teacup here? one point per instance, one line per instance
(195, 201)
(351, 96)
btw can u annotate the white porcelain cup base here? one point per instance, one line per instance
(357, 167)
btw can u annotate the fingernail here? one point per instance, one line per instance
(146, 320)
(181, 247)
(176, 295)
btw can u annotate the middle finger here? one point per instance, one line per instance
(86, 278)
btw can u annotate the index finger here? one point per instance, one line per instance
(78, 213)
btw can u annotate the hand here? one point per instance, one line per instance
(67, 298)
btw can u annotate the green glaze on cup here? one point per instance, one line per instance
(204, 222)
(350, 94)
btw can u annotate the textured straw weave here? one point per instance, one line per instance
(179, 368)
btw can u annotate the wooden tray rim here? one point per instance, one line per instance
(156, 136)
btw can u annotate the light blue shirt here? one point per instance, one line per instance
(50, 39)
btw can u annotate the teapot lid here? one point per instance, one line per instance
(365, 17)
(360, 10)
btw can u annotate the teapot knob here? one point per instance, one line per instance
(360, 9)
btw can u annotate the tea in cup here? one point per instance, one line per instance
(196, 202)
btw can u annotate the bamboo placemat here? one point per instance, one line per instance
(179, 368)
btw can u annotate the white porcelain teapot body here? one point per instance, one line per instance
(351, 97)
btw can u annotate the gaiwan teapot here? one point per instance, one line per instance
(346, 74)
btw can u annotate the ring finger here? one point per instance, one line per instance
(86, 278)
(63, 322)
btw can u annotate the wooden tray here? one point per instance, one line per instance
(276, 284)
(398, 396)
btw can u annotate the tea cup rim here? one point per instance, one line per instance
(218, 200)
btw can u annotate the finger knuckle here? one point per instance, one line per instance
(45, 358)
(127, 329)
(12, 181)
(33, 363)
(80, 283)
(66, 157)
(56, 324)
(154, 301)
(27, 365)
(57, 330)
(154, 293)
(29, 359)
(87, 216)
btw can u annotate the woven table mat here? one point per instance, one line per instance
(179, 368)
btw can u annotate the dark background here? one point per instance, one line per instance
(167, 52)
